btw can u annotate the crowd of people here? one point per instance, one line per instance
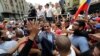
(50, 36)
(47, 12)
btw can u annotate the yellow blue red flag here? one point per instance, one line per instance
(84, 5)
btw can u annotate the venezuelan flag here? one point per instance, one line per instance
(84, 5)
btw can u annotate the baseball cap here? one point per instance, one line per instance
(97, 26)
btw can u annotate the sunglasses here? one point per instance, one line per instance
(46, 26)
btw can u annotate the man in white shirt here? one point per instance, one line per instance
(54, 10)
(40, 13)
(49, 13)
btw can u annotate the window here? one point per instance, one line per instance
(17, 7)
(68, 4)
(5, 6)
(76, 2)
(16, 1)
(22, 2)
(23, 7)
(5, 0)
(21, 12)
(11, 2)
(17, 11)
(13, 11)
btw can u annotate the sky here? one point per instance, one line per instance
(42, 2)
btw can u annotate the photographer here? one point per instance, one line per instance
(32, 13)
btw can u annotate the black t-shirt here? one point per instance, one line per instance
(87, 53)
(5, 54)
(32, 13)
(81, 33)
(26, 48)
(85, 34)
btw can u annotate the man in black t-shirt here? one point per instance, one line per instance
(32, 13)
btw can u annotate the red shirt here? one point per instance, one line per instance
(58, 31)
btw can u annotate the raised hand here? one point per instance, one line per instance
(33, 28)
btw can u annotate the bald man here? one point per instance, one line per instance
(64, 46)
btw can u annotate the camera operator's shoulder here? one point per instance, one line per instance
(5, 54)
(10, 44)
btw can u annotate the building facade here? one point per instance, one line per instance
(27, 8)
(13, 8)
(1, 10)
(69, 3)
(72, 5)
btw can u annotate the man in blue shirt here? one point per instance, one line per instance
(78, 39)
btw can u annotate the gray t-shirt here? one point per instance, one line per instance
(2, 51)
(7, 45)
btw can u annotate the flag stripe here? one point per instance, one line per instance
(83, 7)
